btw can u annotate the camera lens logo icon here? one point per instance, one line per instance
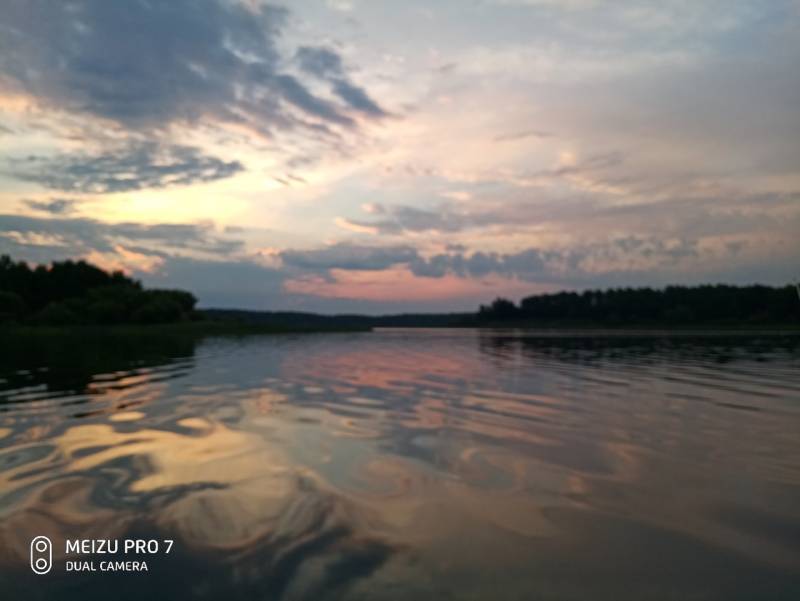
(41, 555)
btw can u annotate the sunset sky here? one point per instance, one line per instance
(362, 155)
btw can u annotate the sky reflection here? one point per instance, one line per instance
(282, 471)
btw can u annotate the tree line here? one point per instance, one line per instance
(683, 305)
(76, 292)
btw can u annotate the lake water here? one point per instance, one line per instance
(411, 464)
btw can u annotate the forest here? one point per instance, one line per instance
(673, 305)
(78, 293)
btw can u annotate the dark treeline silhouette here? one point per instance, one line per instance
(344, 321)
(679, 305)
(76, 292)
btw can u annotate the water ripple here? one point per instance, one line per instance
(418, 464)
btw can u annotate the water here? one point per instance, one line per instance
(411, 464)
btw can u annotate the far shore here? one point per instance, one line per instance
(744, 327)
(189, 328)
(10, 331)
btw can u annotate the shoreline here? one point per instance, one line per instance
(223, 328)
(197, 328)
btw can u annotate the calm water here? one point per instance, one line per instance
(407, 464)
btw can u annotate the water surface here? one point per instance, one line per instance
(412, 464)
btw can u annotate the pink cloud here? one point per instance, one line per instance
(400, 284)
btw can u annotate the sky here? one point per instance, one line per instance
(386, 156)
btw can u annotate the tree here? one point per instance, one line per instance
(160, 309)
(719, 304)
(70, 292)
(57, 314)
(12, 307)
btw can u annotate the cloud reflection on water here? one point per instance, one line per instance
(399, 464)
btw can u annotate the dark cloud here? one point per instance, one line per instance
(293, 91)
(46, 239)
(327, 65)
(528, 264)
(55, 206)
(568, 266)
(403, 218)
(133, 167)
(348, 256)
(145, 65)
(692, 215)
(319, 61)
(357, 98)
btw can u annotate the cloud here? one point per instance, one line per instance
(55, 206)
(341, 5)
(348, 256)
(589, 215)
(397, 289)
(218, 269)
(628, 260)
(642, 257)
(522, 135)
(319, 61)
(131, 167)
(357, 98)
(292, 90)
(189, 256)
(45, 239)
(146, 65)
(404, 218)
(327, 65)
(528, 264)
